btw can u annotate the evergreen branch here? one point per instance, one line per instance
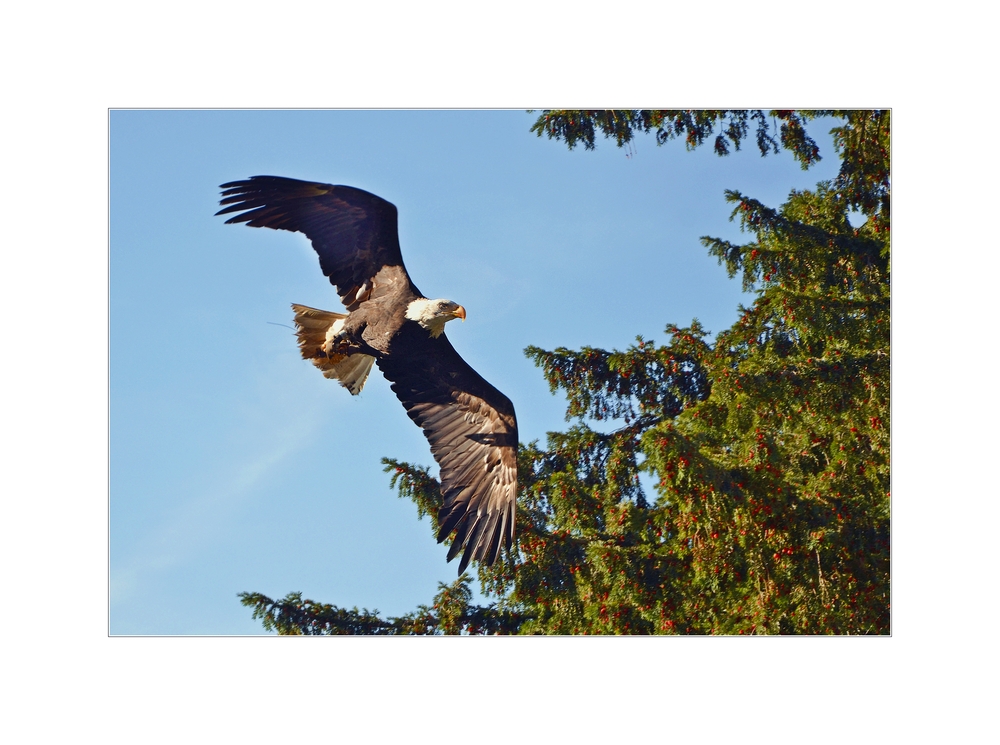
(451, 613)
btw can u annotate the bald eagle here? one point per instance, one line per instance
(470, 424)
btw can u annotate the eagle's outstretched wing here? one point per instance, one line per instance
(353, 231)
(473, 436)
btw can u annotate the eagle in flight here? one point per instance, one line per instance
(470, 424)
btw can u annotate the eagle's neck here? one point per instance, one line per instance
(423, 311)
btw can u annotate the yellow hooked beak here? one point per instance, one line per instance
(459, 312)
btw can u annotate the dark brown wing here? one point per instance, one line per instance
(473, 435)
(354, 232)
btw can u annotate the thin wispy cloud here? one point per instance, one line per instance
(200, 517)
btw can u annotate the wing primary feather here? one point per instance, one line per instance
(473, 548)
(496, 536)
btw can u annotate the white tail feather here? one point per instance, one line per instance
(352, 372)
(315, 332)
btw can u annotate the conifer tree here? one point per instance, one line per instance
(767, 447)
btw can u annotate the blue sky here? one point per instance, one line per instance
(234, 465)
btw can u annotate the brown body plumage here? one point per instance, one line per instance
(470, 425)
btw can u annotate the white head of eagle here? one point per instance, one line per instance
(434, 314)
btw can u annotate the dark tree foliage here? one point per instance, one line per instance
(862, 140)
(452, 613)
(695, 126)
(765, 452)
